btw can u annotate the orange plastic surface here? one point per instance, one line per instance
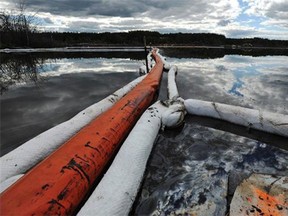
(59, 183)
(270, 205)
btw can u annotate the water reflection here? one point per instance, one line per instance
(234, 90)
(239, 75)
(212, 53)
(91, 65)
(63, 88)
(260, 83)
(192, 170)
(19, 70)
(188, 167)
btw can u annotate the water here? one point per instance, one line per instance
(196, 169)
(197, 166)
(258, 82)
(190, 168)
(43, 92)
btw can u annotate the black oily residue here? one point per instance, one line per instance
(63, 193)
(280, 208)
(73, 165)
(266, 154)
(45, 187)
(202, 198)
(257, 209)
(195, 144)
(178, 203)
(112, 99)
(95, 148)
(53, 202)
(268, 187)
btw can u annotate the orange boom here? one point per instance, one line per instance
(59, 183)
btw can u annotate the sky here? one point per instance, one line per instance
(232, 18)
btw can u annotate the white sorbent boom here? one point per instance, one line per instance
(33, 151)
(264, 121)
(117, 190)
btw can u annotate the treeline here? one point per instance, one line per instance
(257, 42)
(18, 30)
(133, 38)
(16, 26)
(13, 39)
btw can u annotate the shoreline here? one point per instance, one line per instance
(129, 48)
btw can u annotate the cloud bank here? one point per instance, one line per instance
(233, 18)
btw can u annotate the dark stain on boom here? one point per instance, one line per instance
(77, 168)
(95, 148)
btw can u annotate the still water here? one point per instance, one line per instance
(191, 170)
(189, 167)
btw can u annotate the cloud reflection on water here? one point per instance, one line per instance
(259, 82)
(180, 161)
(191, 168)
(92, 65)
(29, 109)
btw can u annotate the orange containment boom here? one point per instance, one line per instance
(58, 184)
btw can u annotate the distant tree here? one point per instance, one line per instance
(17, 26)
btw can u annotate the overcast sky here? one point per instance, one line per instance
(233, 18)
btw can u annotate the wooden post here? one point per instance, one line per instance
(145, 51)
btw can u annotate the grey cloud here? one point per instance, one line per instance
(132, 22)
(221, 68)
(183, 10)
(278, 10)
(44, 21)
(59, 7)
(47, 20)
(166, 16)
(124, 8)
(83, 26)
(223, 22)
